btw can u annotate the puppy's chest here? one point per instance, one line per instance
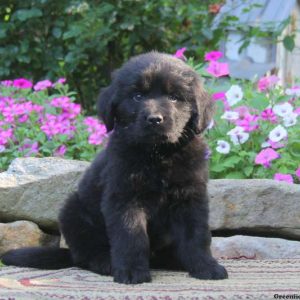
(158, 178)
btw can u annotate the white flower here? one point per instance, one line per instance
(234, 95)
(223, 147)
(283, 109)
(230, 115)
(277, 134)
(211, 124)
(2, 148)
(238, 135)
(290, 119)
(295, 91)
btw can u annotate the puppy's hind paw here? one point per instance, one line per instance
(213, 272)
(132, 276)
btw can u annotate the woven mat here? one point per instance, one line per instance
(249, 279)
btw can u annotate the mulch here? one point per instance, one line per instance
(249, 279)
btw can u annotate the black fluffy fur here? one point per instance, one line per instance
(143, 202)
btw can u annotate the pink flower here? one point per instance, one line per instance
(284, 177)
(298, 173)
(7, 82)
(5, 135)
(248, 122)
(265, 156)
(71, 111)
(30, 148)
(61, 80)
(297, 111)
(213, 55)
(217, 69)
(22, 83)
(96, 138)
(62, 102)
(60, 151)
(268, 115)
(267, 82)
(180, 53)
(42, 85)
(275, 145)
(219, 96)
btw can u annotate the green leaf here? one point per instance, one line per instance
(231, 161)
(25, 14)
(289, 42)
(248, 170)
(294, 148)
(235, 175)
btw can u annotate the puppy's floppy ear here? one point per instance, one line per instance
(203, 107)
(105, 107)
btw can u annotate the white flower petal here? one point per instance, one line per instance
(290, 120)
(283, 109)
(223, 147)
(234, 95)
(230, 115)
(278, 133)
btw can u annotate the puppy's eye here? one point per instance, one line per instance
(137, 97)
(173, 98)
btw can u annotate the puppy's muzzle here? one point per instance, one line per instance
(154, 119)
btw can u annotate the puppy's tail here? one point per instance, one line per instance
(38, 257)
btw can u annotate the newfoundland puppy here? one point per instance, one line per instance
(143, 202)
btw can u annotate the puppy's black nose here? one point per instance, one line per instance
(155, 119)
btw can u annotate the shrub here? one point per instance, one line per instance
(43, 120)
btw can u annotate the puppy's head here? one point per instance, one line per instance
(155, 98)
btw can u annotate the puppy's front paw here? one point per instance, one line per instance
(210, 271)
(132, 276)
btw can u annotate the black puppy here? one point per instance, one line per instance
(143, 202)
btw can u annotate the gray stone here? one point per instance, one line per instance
(34, 189)
(255, 205)
(253, 247)
(24, 234)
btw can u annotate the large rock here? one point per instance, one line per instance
(34, 189)
(24, 234)
(253, 247)
(257, 206)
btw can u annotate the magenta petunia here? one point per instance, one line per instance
(265, 156)
(42, 85)
(217, 69)
(248, 122)
(60, 151)
(298, 172)
(180, 53)
(219, 96)
(268, 115)
(265, 83)
(284, 177)
(22, 83)
(213, 55)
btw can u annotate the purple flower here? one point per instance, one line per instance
(268, 115)
(284, 177)
(265, 156)
(42, 85)
(60, 151)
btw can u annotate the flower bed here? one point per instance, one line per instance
(255, 133)
(43, 120)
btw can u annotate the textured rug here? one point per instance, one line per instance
(249, 279)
